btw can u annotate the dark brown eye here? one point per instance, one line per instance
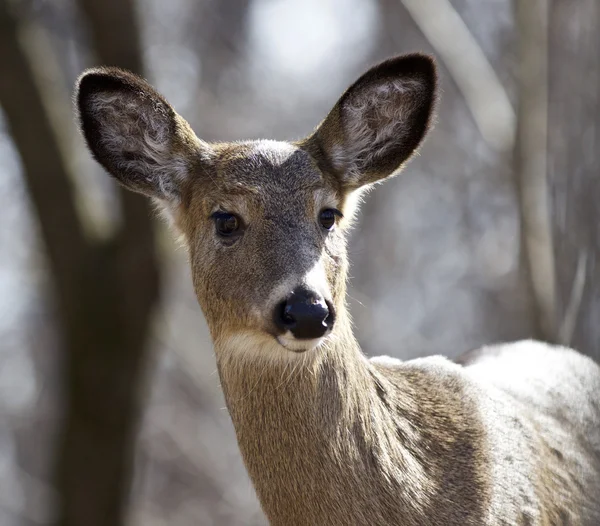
(226, 224)
(327, 217)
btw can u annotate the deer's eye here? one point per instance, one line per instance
(327, 217)
(226, 224)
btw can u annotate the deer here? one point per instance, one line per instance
(505, 435)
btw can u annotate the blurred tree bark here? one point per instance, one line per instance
(222, 37)
(106, 290)
(573, 166)
(218, 30)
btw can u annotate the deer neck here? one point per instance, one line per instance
(259, 376)
(310, 428)
(331, 438)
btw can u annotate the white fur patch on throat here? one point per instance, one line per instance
(288, 341)
(257, 346)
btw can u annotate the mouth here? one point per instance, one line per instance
(299, 346)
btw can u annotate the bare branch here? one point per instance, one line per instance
(531, 157)
(569, 322)
(484, 94)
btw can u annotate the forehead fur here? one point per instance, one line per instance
(267, 166)
(273, 152)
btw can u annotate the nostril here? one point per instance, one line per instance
(287, 316)
(330, 320)
(284, 318)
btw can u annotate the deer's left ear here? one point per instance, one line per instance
(379, 122)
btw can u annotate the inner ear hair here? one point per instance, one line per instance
(134, 133)
(379, 122)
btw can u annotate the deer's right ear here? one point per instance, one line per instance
(379, 121)
(135, 134)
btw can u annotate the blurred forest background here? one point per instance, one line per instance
(110, 407)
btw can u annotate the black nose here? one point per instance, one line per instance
(305, 314)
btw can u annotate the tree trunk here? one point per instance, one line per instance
(106, 291)
(574, 165)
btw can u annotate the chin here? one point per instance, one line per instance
(264, 346)
(299, 346)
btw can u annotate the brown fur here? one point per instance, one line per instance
(329, 437)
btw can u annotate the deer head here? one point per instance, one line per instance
(265, 222)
